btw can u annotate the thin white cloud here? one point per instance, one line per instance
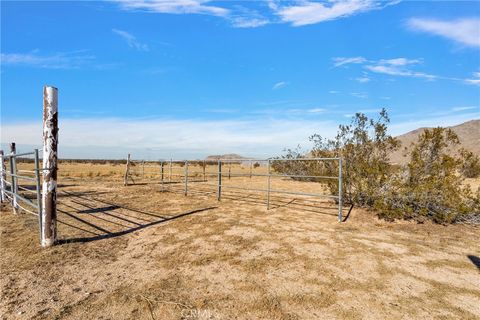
(131, 40)
(340, 61)
(464, 108)
(316, 110)
(394, 67)
(280, 85)
(262, 137)
(465, 31)
(248, 22)
(395, 71)
(475, 80)
(363, 79)
(61, 60)
(399, 61)
(309, 12)
(175, 6)
(361, 95)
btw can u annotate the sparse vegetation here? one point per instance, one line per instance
(430, 186)
(470, 166)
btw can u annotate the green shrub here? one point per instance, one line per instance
(470, 166)
(429, 186)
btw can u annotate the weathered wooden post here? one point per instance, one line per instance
(268, 185)
(204, 169)
(229, 170)
(186, 177)
(127, 171)
(143, 169)
(2, 178)
(251, 166)
(49, 188)
(170, 172)
(161, 174)
(219, 186)
(13, 172)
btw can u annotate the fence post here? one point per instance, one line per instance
(127, 171)
(251, 166)
(39, 193)
(229, 170)
(2, 178)
(170, 172)
(161, 174)
(204, 169)
(219, 187)
(143, 169)
(13, 172)
(268, 186)
(49, 188)
(340, 195)
(186, 177)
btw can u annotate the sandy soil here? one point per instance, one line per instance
(139, 253)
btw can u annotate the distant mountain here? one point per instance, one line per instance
(468, 133)
(228, 156)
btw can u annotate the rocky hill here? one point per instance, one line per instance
(228, 156)
(468, 133)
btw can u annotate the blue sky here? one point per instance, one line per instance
(190, 78)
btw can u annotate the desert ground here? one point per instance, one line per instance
(146, 251)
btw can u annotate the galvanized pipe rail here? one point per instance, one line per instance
(184, 173)
(13, 189)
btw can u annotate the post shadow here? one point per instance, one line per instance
(475, 260)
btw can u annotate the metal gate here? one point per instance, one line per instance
(21, 187)
(216, 174)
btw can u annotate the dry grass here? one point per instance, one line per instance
(138, 253)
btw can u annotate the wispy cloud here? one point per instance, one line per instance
(361, 95)
(60, 60)
(280, 85)
(394, 67)
(399, 67)
(175, 7)
(301, 13)
(262, 137)
(464, 108)
(475, 80)
(340, 61)
(363, 79)
(465, 31)
(131, 40)
(309, 12)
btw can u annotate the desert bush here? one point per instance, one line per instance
(365, 146)
(256, 165)
(429, 185)
(470, 166)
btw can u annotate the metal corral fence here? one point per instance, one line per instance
(187, 172)
(21, 187)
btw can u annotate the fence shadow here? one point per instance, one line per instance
(475, 260)
(256, 198)
(103, 219)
